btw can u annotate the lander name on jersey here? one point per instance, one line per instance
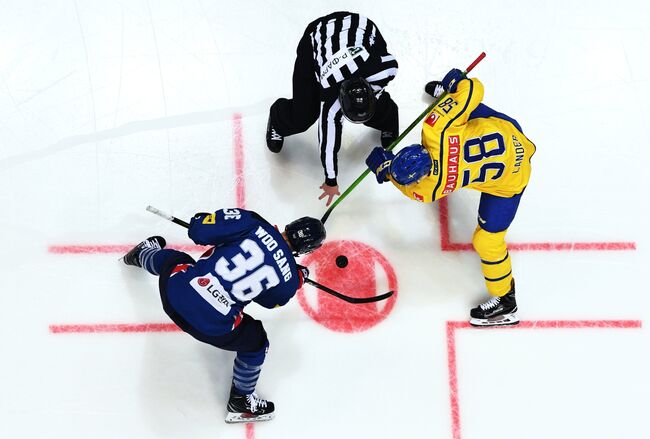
(472, 146)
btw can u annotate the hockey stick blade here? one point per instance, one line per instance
(348, 298)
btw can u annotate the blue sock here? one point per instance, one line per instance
(153, 259)
(246, 370)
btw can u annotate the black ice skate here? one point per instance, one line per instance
(434, 88)
(248, 408)
(498, 311)
(387, 138)
(133, 256)
(274, 141)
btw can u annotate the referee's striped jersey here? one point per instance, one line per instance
(345, 45)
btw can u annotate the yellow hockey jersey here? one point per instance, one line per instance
(471, 146)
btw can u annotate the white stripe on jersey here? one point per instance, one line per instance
(389, 72)
(328, 41)
(333, 112)
(363, 22)
(320, 125)
(316, 40)
(387, 58)
(343, 36)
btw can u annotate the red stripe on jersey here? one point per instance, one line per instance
(238, 318)
(179, 268)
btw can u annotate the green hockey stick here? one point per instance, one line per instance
(396, 141)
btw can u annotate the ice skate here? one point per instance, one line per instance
(434, 88)
(248, 408)
(387, 138)
(133, 256)
(498, 311)
(274, 141)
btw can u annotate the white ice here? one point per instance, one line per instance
(107, 107)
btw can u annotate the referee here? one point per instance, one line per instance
(342, 67)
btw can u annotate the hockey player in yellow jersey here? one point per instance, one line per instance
(466, 144)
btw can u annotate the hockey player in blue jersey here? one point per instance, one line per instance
(250, 260)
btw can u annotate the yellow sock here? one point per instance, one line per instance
(495, 260)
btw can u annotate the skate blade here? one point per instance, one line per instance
(504, 320)
(235, 418)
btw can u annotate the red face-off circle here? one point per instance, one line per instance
(367, 273)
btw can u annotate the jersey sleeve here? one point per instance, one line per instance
(468, 95)
(330, 128)
(222, 226)
(275, 297)
(281, 294)
(379, 70)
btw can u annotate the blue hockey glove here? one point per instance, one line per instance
(451, 80)
(379, 162)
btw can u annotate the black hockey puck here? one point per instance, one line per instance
(341, 261)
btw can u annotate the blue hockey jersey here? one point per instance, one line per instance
(250, 261)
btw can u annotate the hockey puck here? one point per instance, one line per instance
(341, 261)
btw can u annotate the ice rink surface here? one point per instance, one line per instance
(107, 107)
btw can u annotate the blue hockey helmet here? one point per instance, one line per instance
(357, 99)
(305, 234)
(411, 164)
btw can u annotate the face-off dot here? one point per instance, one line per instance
(366, 273)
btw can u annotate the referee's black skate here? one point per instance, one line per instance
(498, 311)
(387, 138)
(274, 141)
(133, 256)
(248, 408)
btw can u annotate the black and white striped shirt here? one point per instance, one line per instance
(345, 45)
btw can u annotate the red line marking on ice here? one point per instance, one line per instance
(238, 151)
(250, 431)
(113, 327)
(447, 245)
(121, 249)
(533, 324)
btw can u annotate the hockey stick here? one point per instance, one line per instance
(343, 296)
(396, 141)
(328, 290)
(168, 217)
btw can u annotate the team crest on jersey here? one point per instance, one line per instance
(354, 50)
(432, 119)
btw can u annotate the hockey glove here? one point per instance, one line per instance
(451, 80)
(198, 217)
(379, 162)
(303, 273)
(434, 88)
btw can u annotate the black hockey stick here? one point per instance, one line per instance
(343, 296)
(356, 182)
(328, 290)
